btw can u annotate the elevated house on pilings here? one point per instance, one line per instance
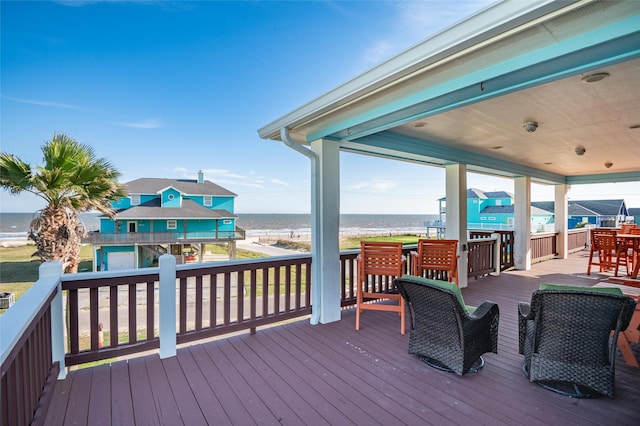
(159, 216)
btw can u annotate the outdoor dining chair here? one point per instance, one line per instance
(568, 337)
(378, 264)
(444, 332)
(611, 254)
(436, 259)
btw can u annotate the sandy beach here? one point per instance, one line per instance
(15, 242)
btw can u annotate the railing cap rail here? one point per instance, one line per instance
(16, 319)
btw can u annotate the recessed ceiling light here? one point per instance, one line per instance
(592, 78)
(418, 124)
(608, 164)
(634, 126)
(548, 163)
(497, 147)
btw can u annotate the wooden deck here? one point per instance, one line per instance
(330, 374)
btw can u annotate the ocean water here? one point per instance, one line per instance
(16, 225)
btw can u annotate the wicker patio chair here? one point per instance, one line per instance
(445, 333)
(378, 264)
(568, 338)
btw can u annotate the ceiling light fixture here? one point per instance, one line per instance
(592, 78)
(580, 150)
(419, 124)
(530, 126)
(634, 126)
(608, 164)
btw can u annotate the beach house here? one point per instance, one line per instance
(495, 210)
(177, 216)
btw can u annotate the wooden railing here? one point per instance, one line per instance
(214, 299)
(577, 239)
(30, 357)
(162, 237)
(544, 246)
(506, 247)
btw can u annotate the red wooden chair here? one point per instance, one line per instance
(610, 251)
(436, 259)
(378, 264)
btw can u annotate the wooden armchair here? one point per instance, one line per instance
(378, 264)
(436, 259)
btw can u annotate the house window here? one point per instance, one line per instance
(171, 196)
(135, 199)
(227, 221)
(483, 218)
(208, 200)
(492, 218)
(172, 224)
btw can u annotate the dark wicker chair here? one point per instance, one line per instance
(445, 332)
(565, 335)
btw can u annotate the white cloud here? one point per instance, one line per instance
(149, 123)
(42, 103)
(379, 51)
(280, 182)
(376, 185)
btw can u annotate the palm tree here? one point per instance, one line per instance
(71, 181)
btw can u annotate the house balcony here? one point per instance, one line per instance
(200, 237)
(247, 353)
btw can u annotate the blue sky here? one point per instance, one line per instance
(164, 89)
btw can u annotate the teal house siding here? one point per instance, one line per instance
(223, 203)
(171, 198)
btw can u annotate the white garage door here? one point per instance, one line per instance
(120, 260)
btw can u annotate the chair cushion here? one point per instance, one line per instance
(608, 290)
(445, 285)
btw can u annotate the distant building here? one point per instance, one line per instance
(495, 210)
(159, 216)
(605, 213)
(634, 212)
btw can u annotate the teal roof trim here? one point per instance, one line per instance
(442, 155)
(604, 46)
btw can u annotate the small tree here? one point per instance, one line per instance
(71, 181)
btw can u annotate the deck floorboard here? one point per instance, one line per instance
(297, 373)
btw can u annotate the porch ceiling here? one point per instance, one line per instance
(466, 101)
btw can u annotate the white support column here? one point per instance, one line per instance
(54, 270)
(522, 223)
(561, 219)
(167, 263)
(325, 233)
(456, 193)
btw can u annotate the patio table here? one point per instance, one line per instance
(634, 240)
(632, 333)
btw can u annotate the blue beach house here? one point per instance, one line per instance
(159, 216)
(495, 211)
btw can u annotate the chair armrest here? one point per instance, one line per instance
(524, 311)
(486, 308)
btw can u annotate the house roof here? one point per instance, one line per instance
(462, 96)
(185, 186)
(634, 211)
(498, 194)
(587, 207)
(189, 210)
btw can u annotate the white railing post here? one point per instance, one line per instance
(167, 312)
(54, 270)
(497, 253)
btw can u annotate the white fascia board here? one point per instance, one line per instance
(485, 24)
